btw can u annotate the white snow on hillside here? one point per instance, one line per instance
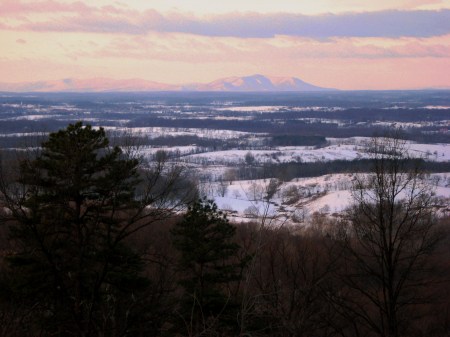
(153, 132)
(332, 202)
(295, 201)
(436, 152)
(353, 149)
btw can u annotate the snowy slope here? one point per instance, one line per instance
(329, 194)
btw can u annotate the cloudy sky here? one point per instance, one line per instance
(345, 44)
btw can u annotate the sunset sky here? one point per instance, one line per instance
(345, 44)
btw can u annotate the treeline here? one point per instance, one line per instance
(366, 114)
(295, 126)
(298, 140)
(283, 282)
(21, 142)
(207, 143)
(289, 171)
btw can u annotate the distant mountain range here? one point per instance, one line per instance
(256, 83)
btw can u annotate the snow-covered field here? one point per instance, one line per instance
(344, 149)
(295, 201)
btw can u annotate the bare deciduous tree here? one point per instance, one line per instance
(391, 235)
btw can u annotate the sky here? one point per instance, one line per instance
(343, 44)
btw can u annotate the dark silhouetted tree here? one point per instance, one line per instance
(71, 210)
(392, 234)
(209, 265)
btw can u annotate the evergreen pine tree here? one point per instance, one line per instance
(209, 265)
(71, 261)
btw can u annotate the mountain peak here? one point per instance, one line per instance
(259, 82)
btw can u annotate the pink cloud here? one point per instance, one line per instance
(176, 47)
(78, 17)
(21, 41)
(14, 7)
(421, 50)
(418, 3)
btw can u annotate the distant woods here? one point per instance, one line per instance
(97, 242)
(421, 115)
